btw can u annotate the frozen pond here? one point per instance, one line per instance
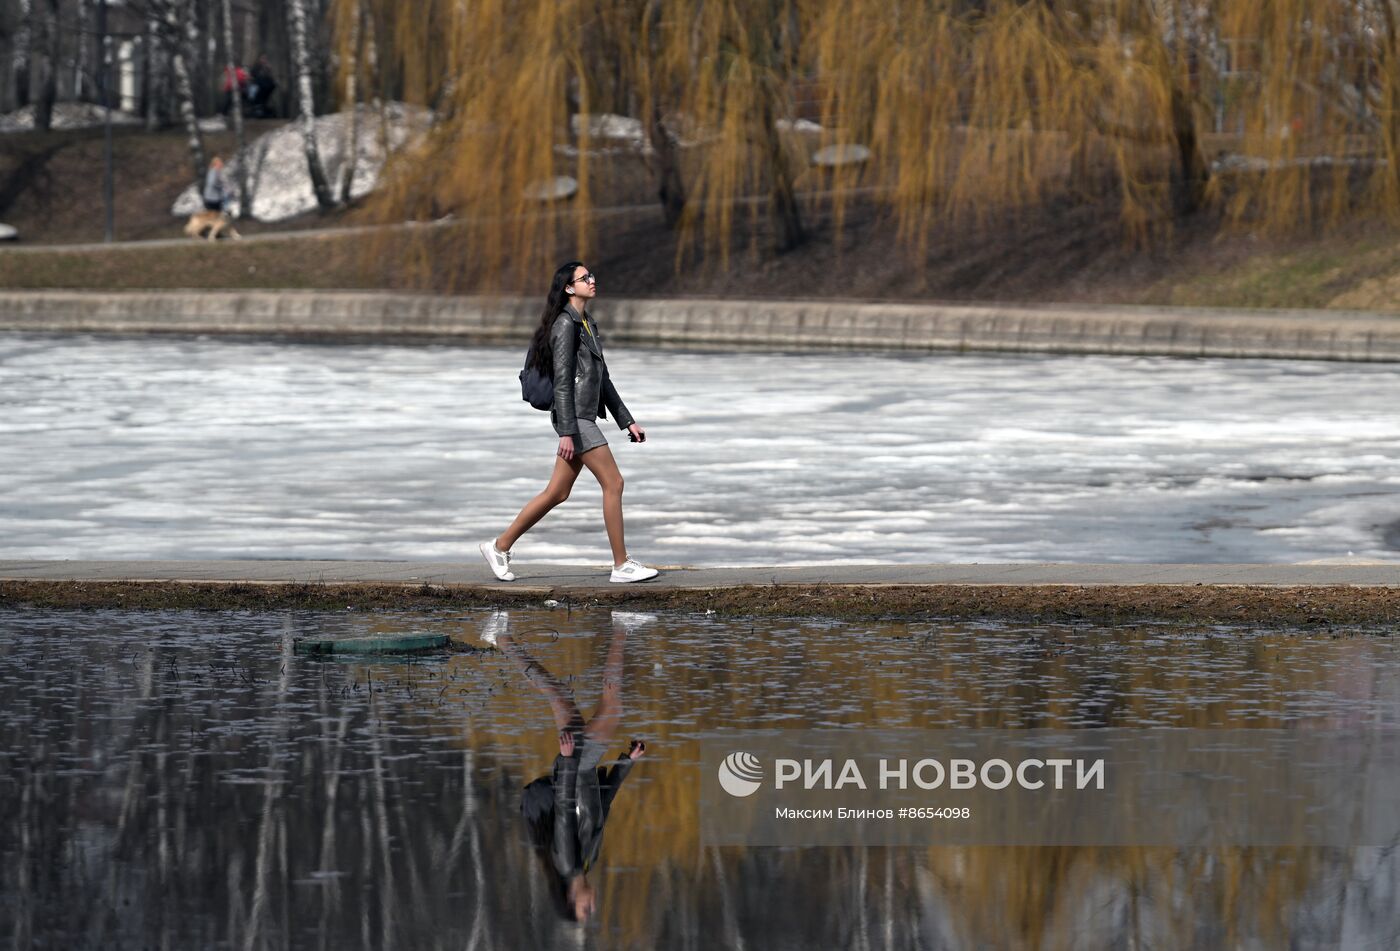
(203, 448)
(185, 780)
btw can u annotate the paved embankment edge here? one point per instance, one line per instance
(731, 324)
(1306, 596)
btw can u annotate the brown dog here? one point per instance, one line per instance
(215, 222)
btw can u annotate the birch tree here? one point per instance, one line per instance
(245, 198)
(301, 59)
(153, 72)
(352, 56)
(180, 31)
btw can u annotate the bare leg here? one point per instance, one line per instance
(561, 701)
(560, 482)
(601, 463)
(608, 715)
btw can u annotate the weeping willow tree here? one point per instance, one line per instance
(973, 111)
(978, 108)
(495, 73)
(727, 69)
(1323, 123)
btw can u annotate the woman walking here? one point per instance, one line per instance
(567, 345)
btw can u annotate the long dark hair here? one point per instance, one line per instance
(542, 354)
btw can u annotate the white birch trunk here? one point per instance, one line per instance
(184, 90)
(306, 101)
(245, 198)
(155, 74)
(351, 150)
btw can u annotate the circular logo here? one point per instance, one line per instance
(740, 774)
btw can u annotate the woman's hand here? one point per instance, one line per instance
(566, 448)
(636, 433)
(566, 743)
(637, 750)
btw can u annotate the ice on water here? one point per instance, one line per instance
(198, 448)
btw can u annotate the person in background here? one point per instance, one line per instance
(233, 89)
(215, 187)
(260, 89)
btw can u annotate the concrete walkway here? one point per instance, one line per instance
(1324, 597)
(579, 578)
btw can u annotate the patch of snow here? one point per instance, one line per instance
(571, 151)
(552, 189)
(608, 125)
(687, 132)
(8, 233)
(834, 155)
(623, 133)
(66, 115)
(797, 125)
(1252, 163)
(278, 176)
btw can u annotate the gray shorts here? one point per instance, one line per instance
(592, 753)
(589, 436)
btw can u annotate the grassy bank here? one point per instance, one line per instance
(313, 262)
(1359, 270)
(50, 188)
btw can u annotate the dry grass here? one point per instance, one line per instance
(51, 184)
(1319, 608)
(1068, 255)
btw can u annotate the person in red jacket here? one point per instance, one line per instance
(233, 75)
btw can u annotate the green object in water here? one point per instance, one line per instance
(372, 644)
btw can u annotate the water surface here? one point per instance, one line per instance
(186, 780)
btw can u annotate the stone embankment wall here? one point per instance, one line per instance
(785, 325)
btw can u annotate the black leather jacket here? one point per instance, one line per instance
(582, 388)
(582, 801)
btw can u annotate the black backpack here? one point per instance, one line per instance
(537, 386)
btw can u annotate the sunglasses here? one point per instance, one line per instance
(587, 277)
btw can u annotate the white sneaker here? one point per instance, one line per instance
(632, 621)
(496, 625)
(498, 560)
(631, 570)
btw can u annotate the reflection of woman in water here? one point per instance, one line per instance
(566, 810)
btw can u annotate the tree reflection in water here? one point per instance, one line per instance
(185, 780)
